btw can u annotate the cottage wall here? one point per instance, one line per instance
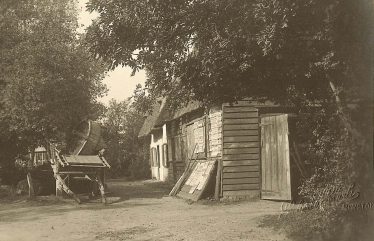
(159, 165)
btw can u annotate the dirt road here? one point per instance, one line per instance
(137, 211)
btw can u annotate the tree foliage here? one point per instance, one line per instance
(218, 51)
(125, 151)
(49, 81)
(307, 53)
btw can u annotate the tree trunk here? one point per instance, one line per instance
(367, 179)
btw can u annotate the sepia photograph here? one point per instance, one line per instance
(186, 120)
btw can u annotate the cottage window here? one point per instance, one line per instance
(165, 159)
(154, 157)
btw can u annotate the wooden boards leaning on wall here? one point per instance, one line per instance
(241, 151)
(197, 181)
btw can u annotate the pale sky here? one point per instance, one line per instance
(119, 81)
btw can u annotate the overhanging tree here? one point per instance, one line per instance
(226, 50)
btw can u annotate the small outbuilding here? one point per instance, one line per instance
(251, 144)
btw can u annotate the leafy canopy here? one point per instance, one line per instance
(49, 81)
(217, 51)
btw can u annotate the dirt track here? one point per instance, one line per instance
(137, 211)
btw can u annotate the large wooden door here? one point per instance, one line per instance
(190, 141)
(275, 160)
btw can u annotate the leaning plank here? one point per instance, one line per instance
(67, 189)
(210, 176)
(177, 186)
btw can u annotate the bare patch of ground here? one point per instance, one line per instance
(138, 210)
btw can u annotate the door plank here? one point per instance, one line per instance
(240, 163)
(234, 139)
(240, 157)
(239, 109)
(247, 193)
(241, 169)
(240, 121)
(240, 145)
(241, 133)
(240, 187)
(240, 127)
(241, 180)
(241, 174)
(240, 115)
(250, 150)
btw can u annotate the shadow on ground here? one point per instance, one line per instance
(120, 195)
(139, 189)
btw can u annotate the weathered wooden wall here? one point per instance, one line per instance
(181, 141)
(177, 149)
(241, 151)
(215, 132)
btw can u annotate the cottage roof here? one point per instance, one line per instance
(167, 114)
(151, 119)
(161, 114)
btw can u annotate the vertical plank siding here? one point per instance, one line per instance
(276, 183)
(240, 151)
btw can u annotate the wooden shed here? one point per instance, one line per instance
(249, 141)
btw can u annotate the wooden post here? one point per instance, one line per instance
(30, 165)
(66, 188)
(217, 191)
(101, 187)
(59, 188)
(31, 186)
